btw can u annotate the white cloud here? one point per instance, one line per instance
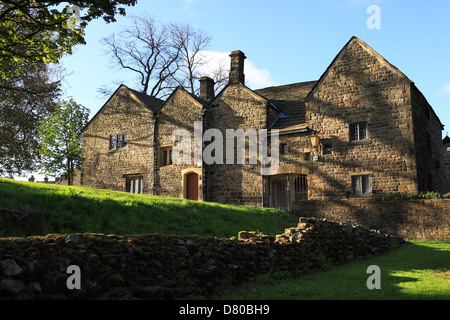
(445, 89)
(255, 78)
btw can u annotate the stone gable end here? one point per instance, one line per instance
(362, 87)
(105, 168)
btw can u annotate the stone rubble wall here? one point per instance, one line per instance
(159, 266)
(417, 219)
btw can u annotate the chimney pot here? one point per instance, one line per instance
(237, 67)
(207, 88)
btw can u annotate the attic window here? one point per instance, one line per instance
(118, 141)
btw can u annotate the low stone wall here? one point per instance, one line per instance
(168, 266)
(409, 219)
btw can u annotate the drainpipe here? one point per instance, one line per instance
(154, 152)
(201, 166)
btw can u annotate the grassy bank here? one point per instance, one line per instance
(79, 210)
(419, 270)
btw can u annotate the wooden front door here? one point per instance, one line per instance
(192, 186)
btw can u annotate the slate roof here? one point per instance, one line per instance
(151, 102)
(290, 101)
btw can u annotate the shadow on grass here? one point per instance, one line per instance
(415, 271)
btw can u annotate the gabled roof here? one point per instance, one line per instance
(342, 52)
(202, 102)
(446, 140)
(290, 101)
(150, 103)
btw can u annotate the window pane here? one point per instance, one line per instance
(112, 141)
(364, 184)
(353, 132)
(362, 131)
(131, 186)
(164, 158)
(119, 141)
(124, 139)
(169, 161)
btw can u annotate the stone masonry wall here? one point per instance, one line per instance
(172, 267)
(446, 165)
(428, 145)
(409, 219)
(105, 169)
(236, 107)
(360, 86)
(179, 112)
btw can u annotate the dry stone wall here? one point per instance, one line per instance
(410, 219)
(167, 266)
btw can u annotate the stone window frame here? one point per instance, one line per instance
(134, 183)
(284, 148)
(114, 138)
(327, 149)
(358, 125)
(365, 180)
(167, 157)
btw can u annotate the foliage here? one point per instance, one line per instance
(38, 31)
(410, 196)
(78, 210)
(27, 101)
(60, 139)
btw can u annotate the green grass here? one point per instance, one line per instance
(419, 270)
(80, 210)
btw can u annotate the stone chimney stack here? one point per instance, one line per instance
(207, 89)
(237, 67)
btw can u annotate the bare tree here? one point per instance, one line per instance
(146, 49)
(190, 42)
(163, 56)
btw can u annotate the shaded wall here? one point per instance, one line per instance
(410, 219)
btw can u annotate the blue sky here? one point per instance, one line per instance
(287, 41)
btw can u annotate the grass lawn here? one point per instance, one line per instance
(419, 270)
(80, 210)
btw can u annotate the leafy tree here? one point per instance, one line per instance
(28, 101)
(33, 31)
(60, 139)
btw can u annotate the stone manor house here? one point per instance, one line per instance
(362, 129)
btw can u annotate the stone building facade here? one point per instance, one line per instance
(446, 151)
(375, 134)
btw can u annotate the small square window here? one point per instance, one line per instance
(135, 185)
(118, 141)
(358, 131)
(327, 148)
(284, 148)
(165, 156)
(361, 185)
